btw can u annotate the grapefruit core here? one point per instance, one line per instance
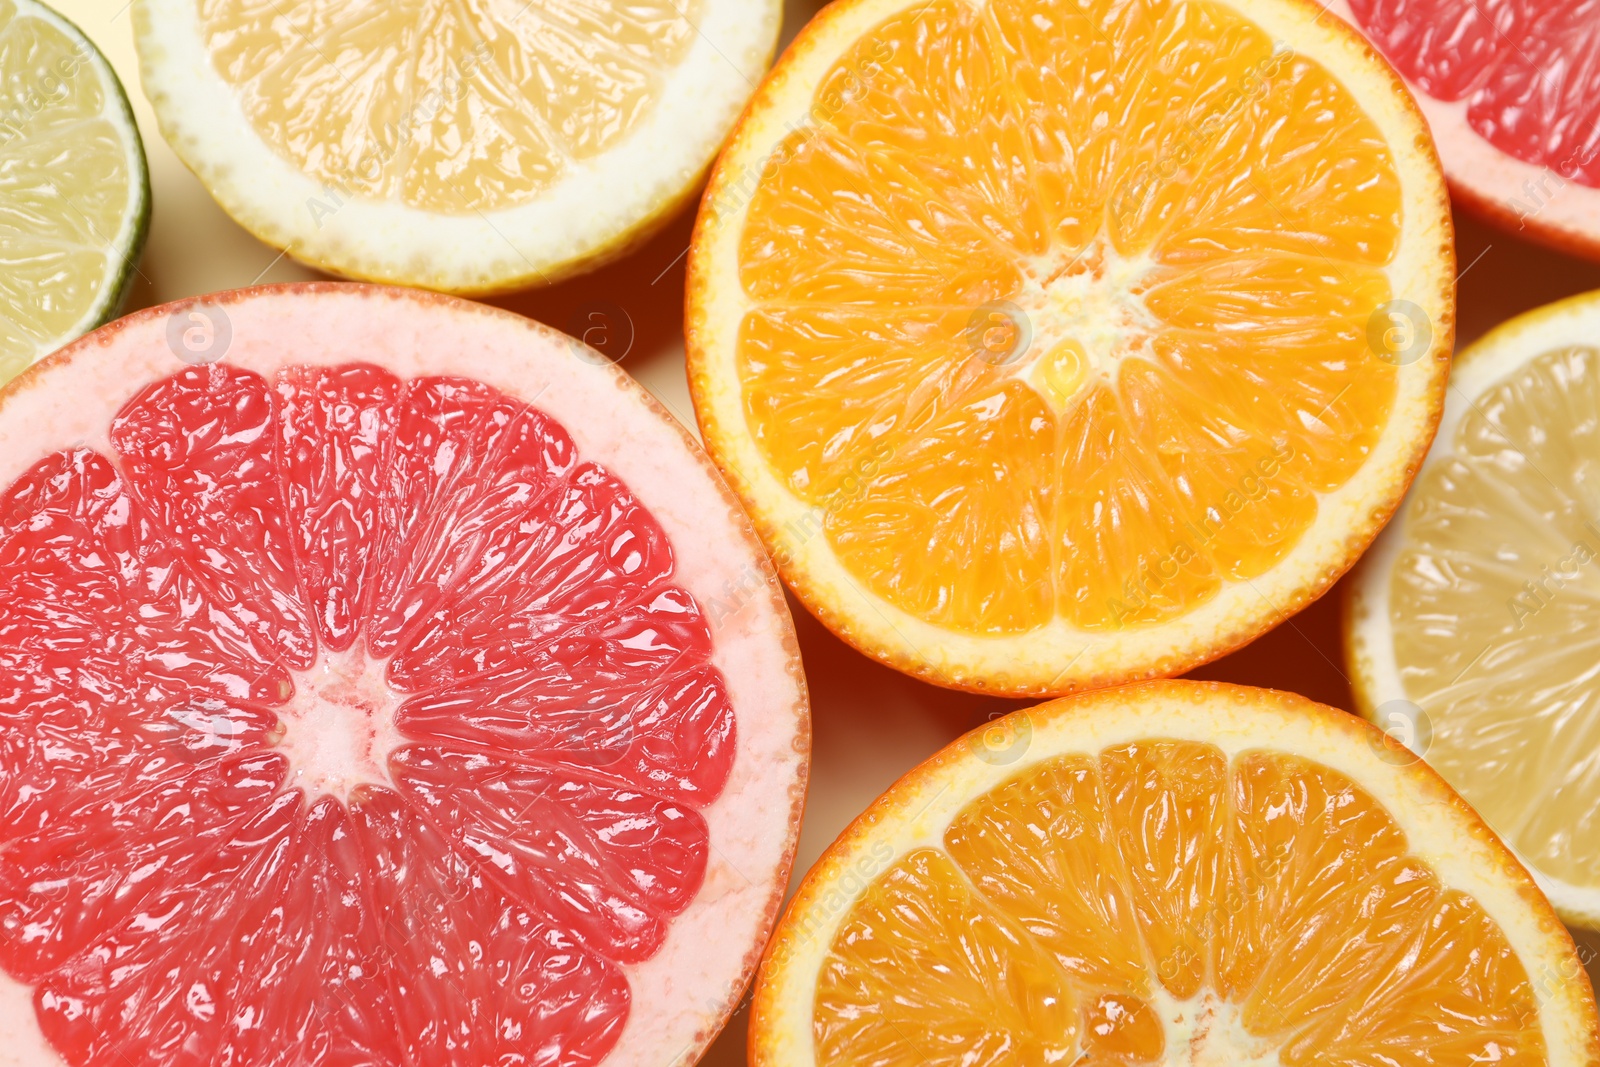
(363, 701)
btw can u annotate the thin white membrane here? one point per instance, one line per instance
(683, 994)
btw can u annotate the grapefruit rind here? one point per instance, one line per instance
(1369, 644)
(1441, 829)
(1059, 658)
(1523, 198)
(684, 994)
(600, 208)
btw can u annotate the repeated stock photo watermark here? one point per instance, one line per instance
(752, 582)
(199, 333)
(1542, 190)
(1405, 732)
(23, 101)
(601, 331)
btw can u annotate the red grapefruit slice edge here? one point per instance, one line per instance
(402, 687)
(1511, 90)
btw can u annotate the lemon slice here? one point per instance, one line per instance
(1470, 629)
(471, 147)
(74, 194)
(1056, 345)
(1163, 874)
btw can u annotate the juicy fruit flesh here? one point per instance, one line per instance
(197, 865)
(1187, 227)
(373, 100)
(1492, 602)
(1527, 71)
(65, 187)
(1158, 903)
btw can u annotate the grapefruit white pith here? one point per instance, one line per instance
(364, 700)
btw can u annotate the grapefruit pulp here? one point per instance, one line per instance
(362, 703)
(1512, 94)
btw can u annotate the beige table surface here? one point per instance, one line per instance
(870, 723)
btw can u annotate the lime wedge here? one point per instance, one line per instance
(74, 193)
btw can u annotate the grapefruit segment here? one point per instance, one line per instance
(353, 715)
(92, 866)
(1509, 89)
(471, 957)
(198, 453)
(334, 442)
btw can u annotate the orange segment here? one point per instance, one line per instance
(996, 995)
(1202, 61)
(920, 95)
(1214, 892)
(798, 354)
(973, 479)
(830, 225)
(1188, 219)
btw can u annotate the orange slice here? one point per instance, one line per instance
(1171, 873)
(1056, 345)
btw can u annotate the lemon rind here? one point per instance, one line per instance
(597, 210)
(1369, 647)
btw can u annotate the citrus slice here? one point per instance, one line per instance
(1171, 873)
(1470, 630)
(477, 146)
(1055, 346)
(74, 195)
(1512, 93)
(370, 695)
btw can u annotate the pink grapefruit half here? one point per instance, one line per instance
(384, 679)
(1511, 90)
